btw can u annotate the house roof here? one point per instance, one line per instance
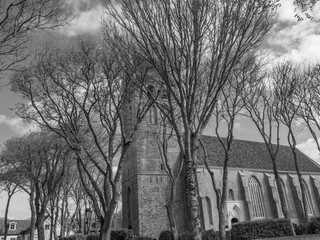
(22, 225)
(254, 155)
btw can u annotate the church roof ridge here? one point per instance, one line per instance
(248, 154)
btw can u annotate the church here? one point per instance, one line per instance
(252, 192)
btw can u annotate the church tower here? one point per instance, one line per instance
(145, 183)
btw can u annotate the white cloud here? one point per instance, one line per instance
(309, 148)
(87, 21)
(291, 39)
(17, 125)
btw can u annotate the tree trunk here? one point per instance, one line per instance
(106, 224)
(303, 190)
(6, 214)
(223, 200)
(284, 206)
(33, 212)
(62, 219)
(222, 220)
(192, 203)
(56, 221)
(40, 228)
(170, 214)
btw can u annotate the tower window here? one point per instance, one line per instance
(231, 195)
(209, 209)
(153, 115)
(256, 198)
(161, 166)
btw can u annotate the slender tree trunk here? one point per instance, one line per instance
(223, 201)
(303, 190)
(40, 226)
(284, 206)
(33, 212)
(6, 227)
(56, 220)
(52, 207)
(170, 214)
(80, 219)
(62, 219)
(106, 224)
(191, 190)
(222, 220)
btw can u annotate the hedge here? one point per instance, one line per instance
(313, 226)
(210, 235)
(118, 234)
(143, 238)
(74, 237)
(166, 235)
(205, 235)
(93, 237)
(186, 236)
(261, 229)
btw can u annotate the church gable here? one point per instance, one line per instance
(254, 155)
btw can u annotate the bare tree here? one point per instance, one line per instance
(192, 46)
(173, 171)
(289, 89)
(230, 104)
(263, 109)
(10, 188)
(310, 109)
(19, 19)
(41, 159)
(305, 8)
(81, 94)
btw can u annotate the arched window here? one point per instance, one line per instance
(231, 195)
(308, 197)
(256, 198)
(209, 209)
(153, 115)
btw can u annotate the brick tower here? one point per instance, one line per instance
(145, 184)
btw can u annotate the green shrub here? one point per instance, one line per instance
(313, 225)
(118, 234)
(210, 235)
(121, 234)
(93, 237)
(261, 229)
(166, 235)
(300, 229)
(186, 236)
(74, 237)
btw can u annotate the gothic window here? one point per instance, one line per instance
(153, 115)
(231, 195)
(256, 198)
(308, 197)
(209, 209)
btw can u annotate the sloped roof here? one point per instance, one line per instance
(254, 155)
(22, 225)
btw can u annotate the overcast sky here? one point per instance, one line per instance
(289, 39)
